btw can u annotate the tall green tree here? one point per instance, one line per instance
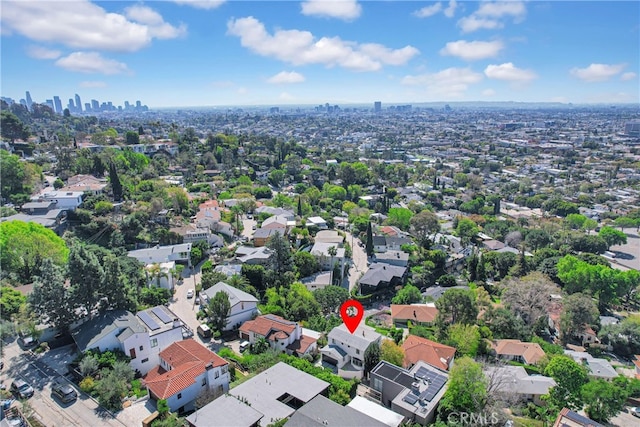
(331, 297)
(219, 307)
(369, 243)
(569, 377)
(612, 236)
(424, 225)
(407, 295)
(371, 358)
(466, 230)
(10, 301)
(305, 263)
(281, 258)
(86, 275)
(457, 306)
(11, 127)
(49, 298)
(603, 400)
(391, 352)
(467, 389)
(114, 180)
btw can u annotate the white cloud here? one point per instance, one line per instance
(201, 4)
(490, 16)
(285, 96)
(285, 77)
(451, 10)
(81, 24)
(301, 47)
(473, 50)
(428, 11)
(342, 9)
(39, 52)
(448, 83)
(509, 72)
(488, 92)
(92, 84)
(91, 62)
(597, 72)
(625, 77)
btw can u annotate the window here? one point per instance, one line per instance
(357, 351)
(132, 353)
(220, 388)
(377, 384)
(145, 360)
(225, 369)
(179, 395)
(217, 374)
(141, 348)
(154, 342)
(204, 381)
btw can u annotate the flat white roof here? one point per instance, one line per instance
(379, 412)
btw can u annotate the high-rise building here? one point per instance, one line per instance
(49, 103)
(58, 104)
(70, 105)
(377, 106)
(78, 103)
(95, 105)
(87, 106)
(29, 101)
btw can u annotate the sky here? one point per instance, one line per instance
(220, 53)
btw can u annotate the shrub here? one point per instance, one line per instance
(87, 385)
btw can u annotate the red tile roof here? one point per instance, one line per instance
(415, 312)
(302, 345)
(529, 351)
(269, 326)
(435, 354)
(189, 360)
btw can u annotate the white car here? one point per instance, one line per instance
(635, 411)
(190, 293)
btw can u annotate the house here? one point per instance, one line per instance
(244, 306)
(322, 412)
(317, 221)
(568, 418)
(515, 381)
(422, 314)
(329, 236)
(327, 261)
(596, 368)
(228, 269)
(53, 219)
(344, 352)
(413, 393)
(636, 363)
(398, 258)
(254, 256)
(226, 410)
(186, 370)
(161, 275)
(380, 276)
(421, 349)
(377, 411)
(86, 184)
(141, 337)
(193, 233)
(436, 292)
(67, 200)
(523, 352)
(262, 235)
(318, 281)
(270, 210)
(158, 254)
(278, 222)
(282, 335)
(275, 393)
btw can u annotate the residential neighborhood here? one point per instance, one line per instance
(199, 283)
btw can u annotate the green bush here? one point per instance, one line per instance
(87, 385)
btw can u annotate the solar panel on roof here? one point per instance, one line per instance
(435, 384)
(410, 398)
(162, 315)
(144, 316)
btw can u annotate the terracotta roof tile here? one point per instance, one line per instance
(529, 351)
(302, 345)
(435, 354)
(422, 313)
(269, 326)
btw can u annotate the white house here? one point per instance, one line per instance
(244, 306)
(321, 251)
(179, 253)
(317, 221)
(141, 337)
(68, 200)
(161, 275)
(344, 352)
(186, 370)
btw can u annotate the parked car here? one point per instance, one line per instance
(63, 391)
(21, 389)
(204, 331)
(244, 345)
(27, 341)
(635, 411)
(190, 293)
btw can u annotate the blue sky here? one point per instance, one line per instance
(206, 53)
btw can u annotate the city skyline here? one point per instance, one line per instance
(214, 53)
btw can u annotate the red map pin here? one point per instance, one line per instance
(351, 312)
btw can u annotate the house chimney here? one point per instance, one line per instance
(176, 323)
(208, 366)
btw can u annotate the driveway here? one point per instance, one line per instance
(359, 258)
(186, 308)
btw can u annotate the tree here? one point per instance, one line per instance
(11, 127)
(24, 245)
(423, 226)
(132, 138)
(111, 389)
(407, 295)
(400, 217)
(391, 352)
(10, 301)
(305, 263)
(117, 289)
(114, 180)
(465, 338)
(331, 297)
(529, 297)
(49, 299)
(466, 230)
(86, 275)
(281, 258)
(612, 236)
(218, 308)
(579, 310)
(457, 306)
(506, 325)
(467, 388)
(369, 243)
(300, 303)
(569, 377)
(371, 358)
(603, 400)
